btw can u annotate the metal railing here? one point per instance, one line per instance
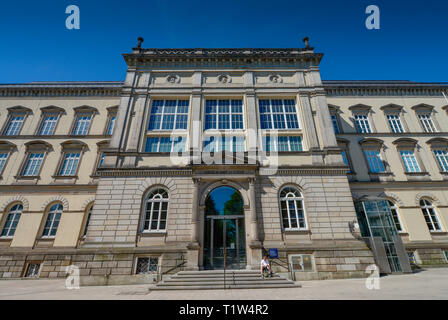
(178, 265)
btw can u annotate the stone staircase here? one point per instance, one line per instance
(214, 279)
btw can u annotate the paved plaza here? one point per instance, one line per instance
(427, 284)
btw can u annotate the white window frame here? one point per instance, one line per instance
(16, 211)
(427, 122)
(373, 162)
(406, 157)
(14, 123)
(35, 163)
(175, 114)
(274, 143)
(56, 217)
(156, 198)
(441, 155)
(73, 159)
(394, 208)
(293, 198)
(395, 123)
(44, 126)
(217, 113)
(270, 114)
(362, 121)
(82, 123)
(425, 208)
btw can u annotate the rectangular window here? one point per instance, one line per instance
(48, 125)
(232, 144)
(3, 158)
(33, 164)
(374, 160)
(362, 123)
(427, 123)
(110, 128)
(334, 121)
(52, 223)
(12, 220)
(345, 159)
(395, 123)
(100, 163)
(147, 265)
(169, 115)
(165, 144)
(442, 159)
(15, 124)
(278, 114)
(223, 114)
(70, 164)
(409, 161)
(282, 143)
(82, 124)
(32, 270)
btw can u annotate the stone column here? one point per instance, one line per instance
(255, 246)
(193, 247)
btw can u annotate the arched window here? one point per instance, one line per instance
(9, 228)
(156, 209)
(87, 221)
(430, 215)
(394, 210)
(52, 222)
(293, 210)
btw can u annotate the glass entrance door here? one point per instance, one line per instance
(224, 243)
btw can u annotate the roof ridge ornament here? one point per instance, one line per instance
(140, 41)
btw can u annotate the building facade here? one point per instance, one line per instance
(209, 157)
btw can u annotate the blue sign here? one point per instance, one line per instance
(273, 253)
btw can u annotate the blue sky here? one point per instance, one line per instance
(412, 43)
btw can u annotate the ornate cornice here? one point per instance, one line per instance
(62, 89)
(383, 88)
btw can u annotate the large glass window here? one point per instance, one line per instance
(12, 219)
(376, 164)
(395, 123)
(278, 114)
(82, 124)
(224, 114)
(282, 143)
(70, 164)
(345, 159)
(229, 143)
(168, 115)
(52, 222)
(89, 214)
(410, 161)
(165, 144)
(430, 215)
(48, 124)
(15, 124)
(111, 125)
(292, 209)
(362, 123)
(3, 158)
(156, 210)
(334, 121)
(442, 159)
(427, 122)
(395, 216)
(33, 164)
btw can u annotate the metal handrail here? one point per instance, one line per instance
(160, 274)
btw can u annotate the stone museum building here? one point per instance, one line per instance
(205, 159)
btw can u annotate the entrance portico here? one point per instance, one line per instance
(236, 230)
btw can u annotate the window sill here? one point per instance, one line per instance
(439, 233)
(5, 239)
(297, 231)
(27, 177)
(64, 177)
(152, 233)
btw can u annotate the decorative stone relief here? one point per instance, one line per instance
(224, 78)
(173, 78)
(275, 78)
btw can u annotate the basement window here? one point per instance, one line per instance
(32, 271)
(147, 265)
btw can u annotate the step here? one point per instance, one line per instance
(221, 287)
(218, 272)
(196, 279)
(192, 283)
